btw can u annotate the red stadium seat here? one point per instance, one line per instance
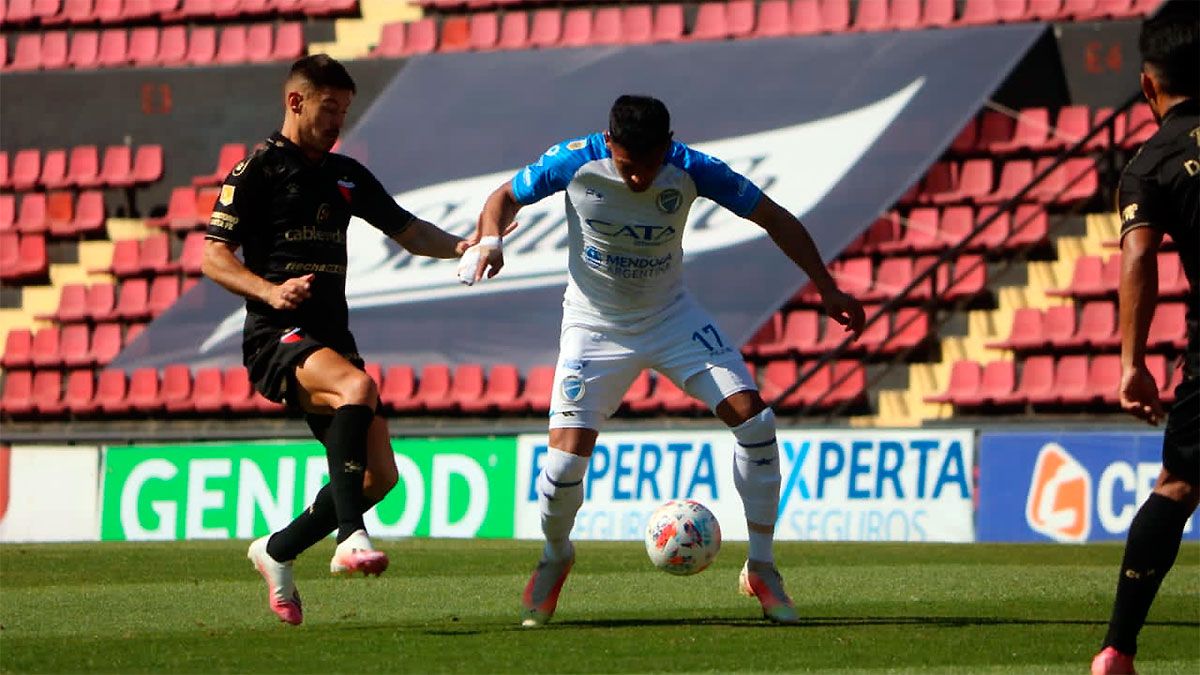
(143, 46)
(956, 223)
(1085, 280)
(874, 335)
(27, 55)
(101, 302)
(1026, 333)
(60, 209)
(71, 11)
(1030, 227)
(398, 390)
(848, 384)
(965, 377)
(106, 343)
(1058, 325)
(191, 256)
(739, 17)
(75, 346)
(996, 386)
(226, 9)
(111, 388)
(27, 168)
(433, 388)
(117, 169)
(85, 167)
(905, 15)
(539, 382)
(18, 349)
(1157, 365)
(996, 232)
(231, 46)
(546, 30)
(938, 13)
(995, 130)
(777, 377)
(237, 393)
(125, 261)
(164, 291)
(799, 336)
(835, 16)
(503, 388)
(154, 254)
(143, 395)
(114, 48)
(1080, 10)
(143, 10)
(1097, 326)
(514, 30)
(31, 217)
(1036, 380)
(207, 392)
(1044, 10)
(54, 50)
(893, 275)
(920, 233)
(805, 17)
(10, 256)
(974, 182)
(72, 305)
(181, 210)
(34, 262)
(5, 167)
(79, 398)
(484, 31)
(577, 28)
(1070, 382)
(46, 396)
(289, 42)
(132, 300)
(910, 327)
(964, 142)
(391, 40)
(941, 178)
(1140, 125)
(176, 394)
(774, 19)
(202, 46)
(1104, 379)
(979, 13)
(1071, 126)
(54, 175)
(1168, 328)
(108, 11)
(468, 386)
(872, 16)
(767, 333)
(711, 22)
(1172, 281)
(148, 164)
(606, 26)
(84, 52)
(421, 37)
(968, 279)
(8, 213)
(18, 393)
(668, 23)
(638, 391)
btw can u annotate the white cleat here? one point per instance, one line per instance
(356, 554)
(282, 595)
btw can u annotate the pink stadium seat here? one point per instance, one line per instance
(18, 393)
(8, 213)
(910, 327)
(206, 201)
(181, 210)
(875, 334)
(31, 217)
(108, 11)
(739, 15)
(148, 164)
(872, 15)
(154, 255)
(260, 43)
(202, 46)
(206, 392)
(995, 129)
(226, 9)
(5, 168)
(1072, 124)
(848, 384)
(71, 11)
(1070, 382)
(978, 13)
(27, 167)
(1073, 181)
(773, 19)
(893, 275)
(1139, 126)
(805, 17)
(1044, 10)
(606, 26)
(996, 232)
(1079, 9)
(1015, 175)
(546, 30)
(638, 391)
(1085, 280)
(140, 10)
(456, 35)
(1032, 132)
(421, 38)
(231, 47)
(514, 30)
(577, 28)
(125, 258)
(27, 55)
(905, 15)
(1097, 326)
(111, 388)
(539, 382)
(190, 9)
(398, 390)
(34, 262)
(955, 224)
(854, 276)
(835, 16)
(484, 31)
(46, 395)
(144, 45)
(85, 50)
(941, 178)
(1030, 227)
(1157, 365)
(54, 50)
(711, 22)
(1037, 379)
(191, 257)
(920, 233)
(106, 343)
(467, 388)
(143, 395)
(777, 377)
(60, 210)
(236, 391)
(1026, 333)
(433, 388)
(767, 333)
(114, 48)
(75, 346)
(503, 388)
(229, 155)
(101, 302)
(132, 300)
(1058, 325)
(289, 42)
(10, 256)
(79, 398)
(937, 13)
(164, 291)
(391, 40)
(176, 392)
(996, 386)
(117, 169)
(85, 167)
(53, 173)
(968, 280)
(1104, 379)
(964, 142)
(72, 305)
(18, 349)
(1168, 328)
(668, 23)
(1172, 281)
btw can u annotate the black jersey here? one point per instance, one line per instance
(1160, 189)
(290, 215)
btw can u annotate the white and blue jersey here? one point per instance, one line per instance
(625, 267)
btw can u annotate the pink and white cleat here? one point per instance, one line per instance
(282, 595)
(1112, 662)
(762, 581)
(541, 593)
(356, 554)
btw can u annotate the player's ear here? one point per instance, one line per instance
(1149, 87)
(295, 101)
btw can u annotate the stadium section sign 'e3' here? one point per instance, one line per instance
(837, 485)
(451, 487)
(1066, 487)
(835, 128)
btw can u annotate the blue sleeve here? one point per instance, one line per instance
(715, 180)
(556, 167)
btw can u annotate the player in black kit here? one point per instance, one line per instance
(1159, 194)
(287, 206)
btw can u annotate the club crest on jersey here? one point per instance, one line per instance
(669, 200)
(292, 336)
(577, 145)
(226, 198)
(323, 212)
(345, 186)
(572, 388)
(1130, 212)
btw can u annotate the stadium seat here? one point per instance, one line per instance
(964, 381)
(546, 29)
(774, 19)
(886, 228)
(995, 130)
(154, 255)
(1172, 281)
(1030, 227)
(54, 50)
(106, 343)
(1071, 126)
(237, 391)
(514, 31)
(1026, 333)
(1079, 10)
(433, 388)
(232, 46)
(739, 17)
(191, 256)
(1036, 380)
(60, 210)
(5, 170)
(1085, 280)
(111, 388)
(18, 349)
(391, 40)
(143, 46)
(88, 216)
(31, 216)
(1070, 382)
(32, 259)
(85, 167)
(848, 382)
(125, 258)
(108, 11)
(398, 390)
(904, 15)
(10, 256)
(539, 382)
(872, 16)
(974, 182)
(421, 37)
(289, 42)
(145, 10)
(920, 233)
(1104, 379)
(979, 13)
(957, 222)
(143, 394)
(72, 304)
(27, 55)
(467, 386)
(804, 17)
(638, 390)
(576, 28)
(148, 164)
(892, 276)
(84, 51)
(176, 393)
(79, 398)
(835, 16)
(1157, 365)
(456, 35)
(1044, 10)
(1058, 326)
(606, 26)
(202, 47)
(711, 22)
(132, 300)
(941, 178)
(75, 346)
(117, 169)
(968, 279)
(1168, 328)
(181, 210)
(101, 302)
(8, 213)
(767, 333)
(777, 377)
(53, 174)
(18, 393)
(799, 335)
(910, 328)
(164, 291)
(1097, 327)
(996, 386)
(114, 48)
(668, 23)
(1140, 125)
(226, 9)
(874, 334)
(484, 31)
(26, 169)
(71, 11)
(206, 392)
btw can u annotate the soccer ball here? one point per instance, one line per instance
(682, 537)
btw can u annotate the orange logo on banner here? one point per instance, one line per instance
(5, 456)
(1059, 505)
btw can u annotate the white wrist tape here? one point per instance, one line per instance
(470, 259)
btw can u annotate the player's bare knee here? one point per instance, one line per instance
(1177, 489)
(358, 389)
(377, 483)
(740, 408)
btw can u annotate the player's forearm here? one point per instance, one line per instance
(426, 239)
(1138, 295)
(223, 267)
(500, 209)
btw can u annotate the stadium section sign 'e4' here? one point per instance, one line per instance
(1066, 487)
(447, 488)
(836, 485)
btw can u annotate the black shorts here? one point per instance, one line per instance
(272, 354)
(1181, 442)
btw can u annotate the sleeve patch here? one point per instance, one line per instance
(226, 197)
(577, 145)
(1129, 213)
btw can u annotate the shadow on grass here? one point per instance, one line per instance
(825, 621)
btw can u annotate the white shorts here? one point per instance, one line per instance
(596, 366)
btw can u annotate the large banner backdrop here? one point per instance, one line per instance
(835, 128)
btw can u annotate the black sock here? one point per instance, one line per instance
(312, 525)
(346, 448)
(1150, 552)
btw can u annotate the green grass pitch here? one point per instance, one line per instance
(451, 606)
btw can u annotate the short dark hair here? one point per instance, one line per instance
(322, 71)
(1169, 45)
(639, 123)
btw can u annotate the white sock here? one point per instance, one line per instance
(756, 477)
(560, 494)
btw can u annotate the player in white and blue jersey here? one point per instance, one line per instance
(628, 193)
